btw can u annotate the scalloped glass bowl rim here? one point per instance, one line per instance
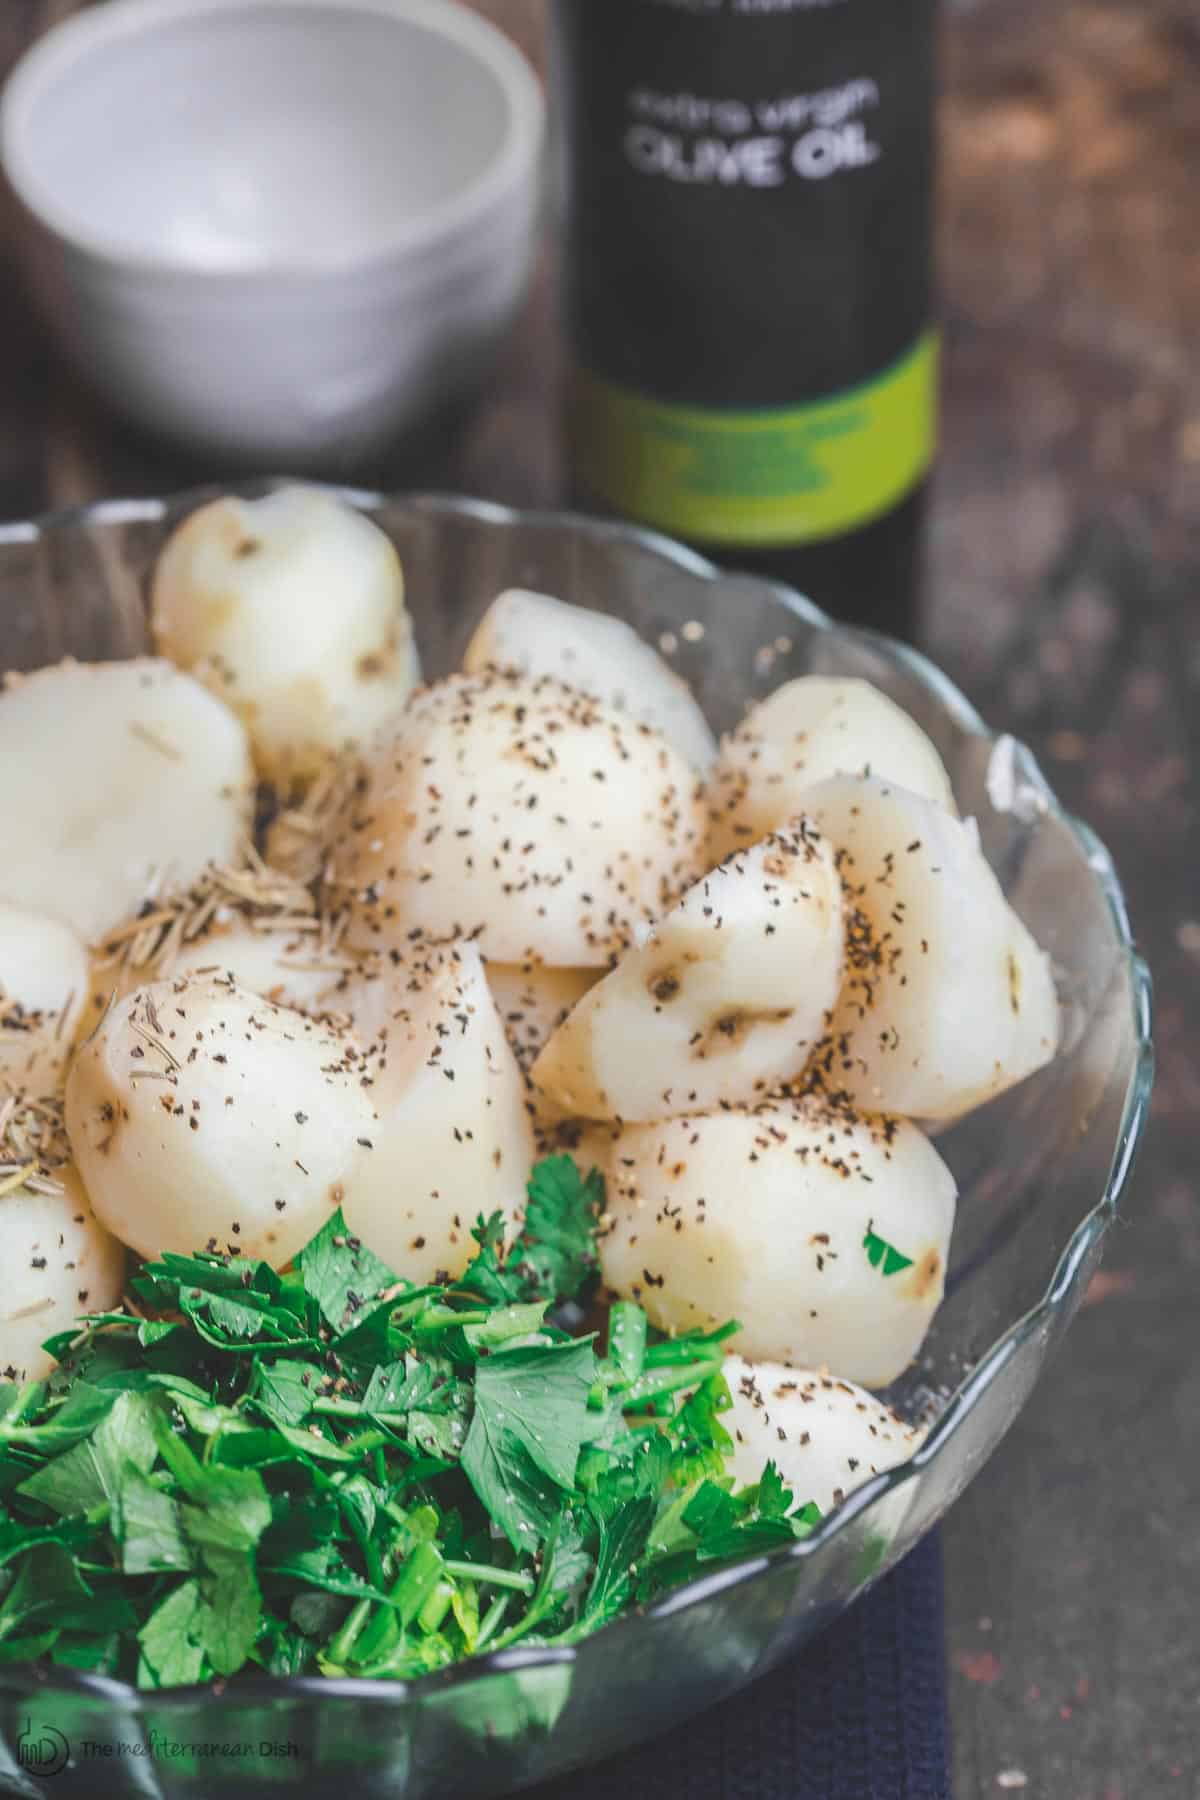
(1074, 1257)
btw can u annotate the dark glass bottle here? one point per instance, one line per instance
(748, 284)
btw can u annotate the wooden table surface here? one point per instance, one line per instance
(1065, 597)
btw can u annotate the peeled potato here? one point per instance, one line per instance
(200, 1115)
(281, 965)
(452, 1138)
(291, 608)
(539, 823)
(533, 634)
(825, 1436)
(533, 1001)
(58, 1263)
(43, 988)
(726, 997)
(772, 1217)
(132, 777)
(947, 999)
(807, 730)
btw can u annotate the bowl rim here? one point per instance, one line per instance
(70, 42)
(1059, 1291)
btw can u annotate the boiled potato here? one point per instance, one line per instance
(947, 998)
(280, 964)
(58, 1263)
(807, 730)
(132, 778)
(43, 989)
(533, 634)
(533, 1001)
(773, 1217)
(537, 822)
(291, 608)
(283, 965)
(452, 1139)
(826, 1436)
(200, 1115)
(726, 997)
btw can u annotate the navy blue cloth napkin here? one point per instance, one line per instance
(859, 1715)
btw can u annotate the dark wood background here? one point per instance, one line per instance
(1065, 597)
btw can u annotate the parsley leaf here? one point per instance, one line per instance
(148, 1528)
(884, 1256)
(47, 1585)
(341, 1274)
(486, 1275)
(555, 1254)
(77, 1417)
(774, 1500)
(171, 1639)
(230, 1302)
(284, 1391)
(226, 1509)
(530, 1421)
(232, 1611)
(93, 1471)
(623, 1541)
(554, 1258)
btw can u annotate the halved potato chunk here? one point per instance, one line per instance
(203, 1116)
(59, 1263)
(534, 634)
(452, 1138)
(807, 730)
(43, 990)
(823, 1231)
(534, 821)
(131, 778)
(726, 998)
(291, 608)
(947, 999)
(825, 1435)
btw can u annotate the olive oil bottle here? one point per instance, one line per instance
(748, 284)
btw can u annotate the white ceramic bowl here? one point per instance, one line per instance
(277, 229)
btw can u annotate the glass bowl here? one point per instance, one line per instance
(1041, 1171)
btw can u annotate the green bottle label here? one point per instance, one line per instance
(774, 475)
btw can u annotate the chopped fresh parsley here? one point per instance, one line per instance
(556, 1252)
(555, 1257)
(335, 1470)
(884, 1256)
